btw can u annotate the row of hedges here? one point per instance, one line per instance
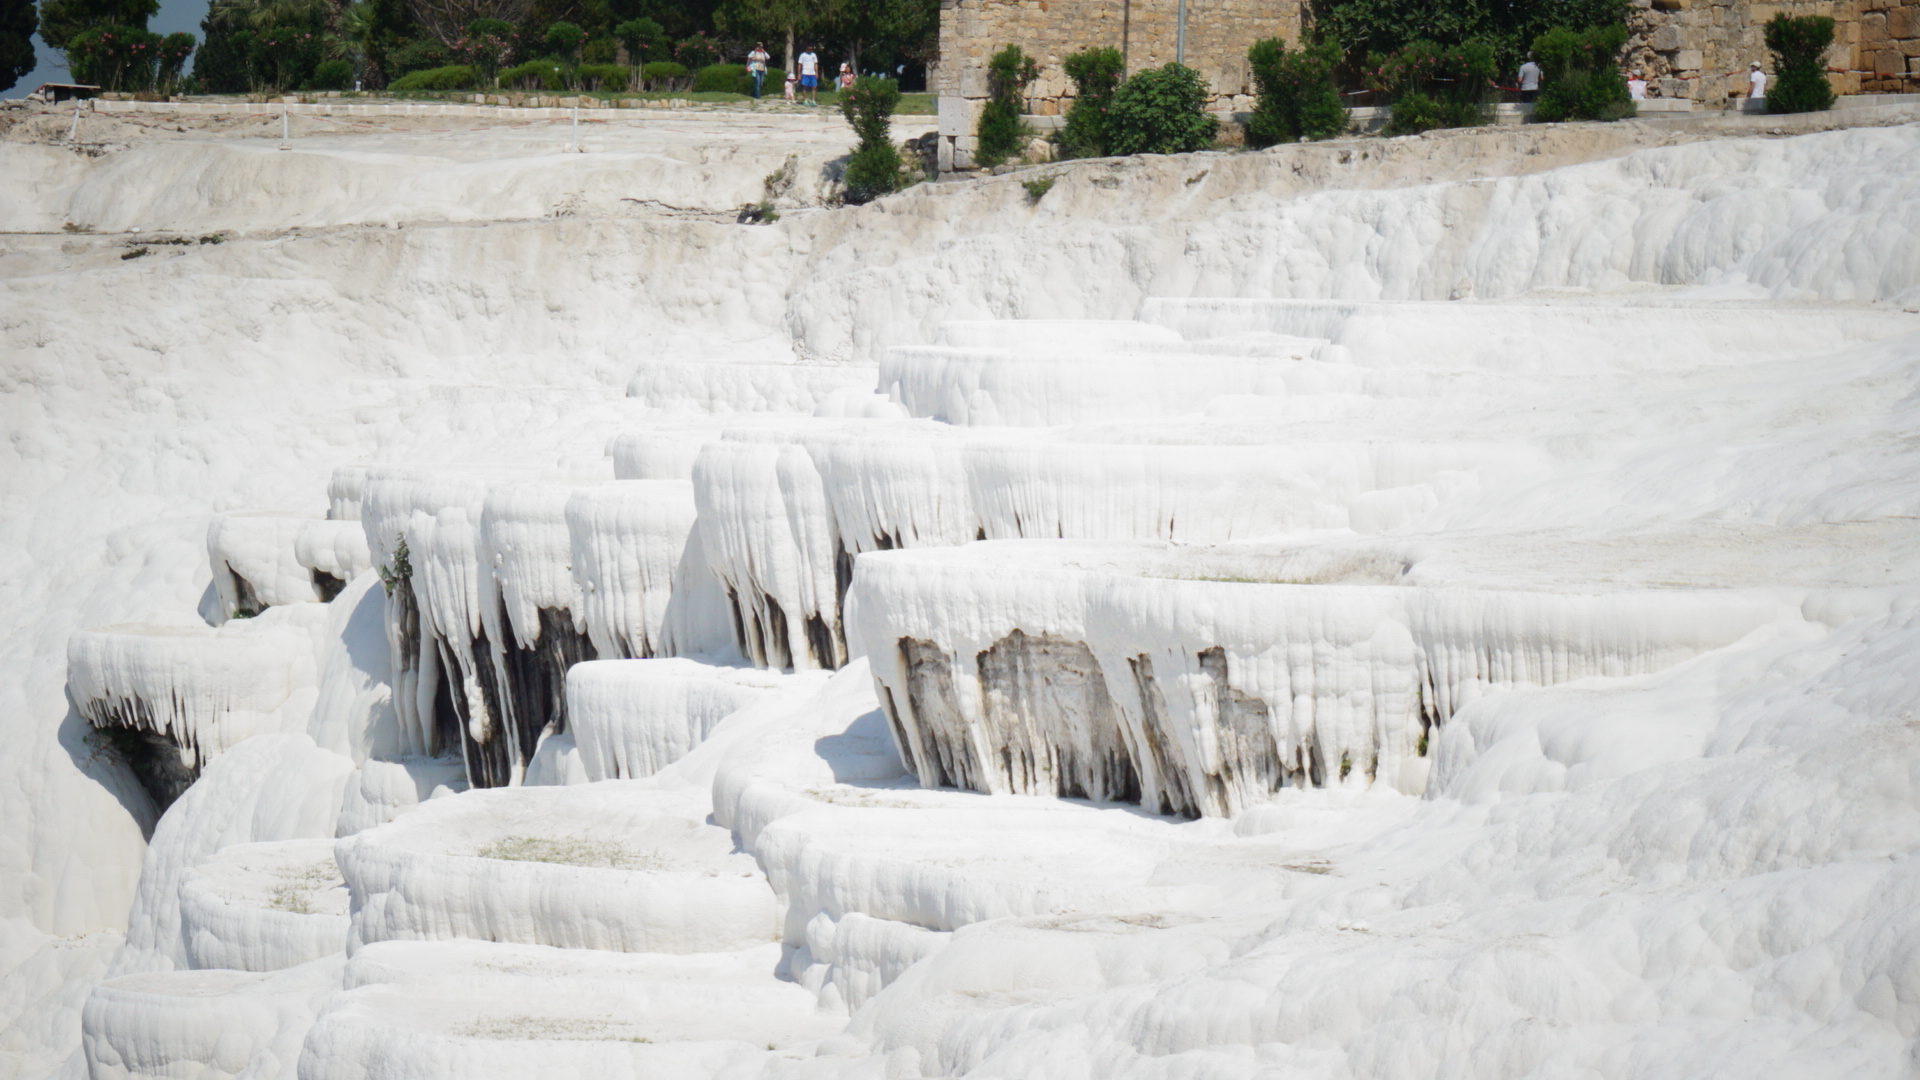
(556, 75)
(1429, 84)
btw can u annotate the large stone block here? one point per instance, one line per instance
(1873, 28)
(1904, 22)
(1689, 60)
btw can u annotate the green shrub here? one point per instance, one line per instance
(1381, 26)
(1161, 111)
(600, 51)
(610, 78)
(451, 77)
(418, 55)
(723, 79)
(1038, 187)
(875, 167)
(1001, 133)
(663, 75)
(1096, 75)
(333, 75)
(1436, 86)
(548, 75)
(1799, 47)
(1297, 94)
(1581, 77)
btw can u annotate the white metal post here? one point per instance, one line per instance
(286, 129)
(576, 129)
(1180, 37)
(73, 133)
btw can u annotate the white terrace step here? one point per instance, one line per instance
(1653, 334)
(191, 692)
(264, 906)
(472, 1010)
(207, 1025)
(784, 509)
(1199, 682)
(631, 718)
(594, 866)
(261, 560)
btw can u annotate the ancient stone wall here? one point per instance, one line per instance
(1700, 49)
(1146, 32)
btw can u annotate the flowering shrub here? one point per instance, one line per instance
(696, 52)
(119, 58)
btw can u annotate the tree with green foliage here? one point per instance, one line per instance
(485, 48)
(1001, 134)
(562, 40)
(874, 169)
(18, 21)
(1581, 77)
(1297, 96)
(1096, 75)
(1799, 45)
(1161, 111)
(643, 39)
(62, 20)
(1436, 86)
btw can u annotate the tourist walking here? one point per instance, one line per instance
(1756, 82)
(1637, 86)
(810, 76)
(757, 65)
(1529, 80)
(846, 76)
(791, 83)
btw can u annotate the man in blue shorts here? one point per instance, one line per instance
(810, 76)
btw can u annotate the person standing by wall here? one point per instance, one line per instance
(1529, 80)
(1637, 86)
(757, 66)
(810, 76)
(1756, 83)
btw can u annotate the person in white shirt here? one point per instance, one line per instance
(757, 64)
(1756, 82)
(810, 76)
(1637, 86)
(1529, 80)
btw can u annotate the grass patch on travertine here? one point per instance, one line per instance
(295, 888)
(570, 851)
(556, 1028)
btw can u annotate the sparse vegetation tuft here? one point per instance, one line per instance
(1038, 187)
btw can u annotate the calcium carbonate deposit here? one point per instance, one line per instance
(1388, 609)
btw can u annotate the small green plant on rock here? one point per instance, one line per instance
(1161, 111)
(1297, 94)
(1583, 79)
(1002, 135)
(1096, 75)
(875, 168)
(1799, 46)
(1038, 187)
